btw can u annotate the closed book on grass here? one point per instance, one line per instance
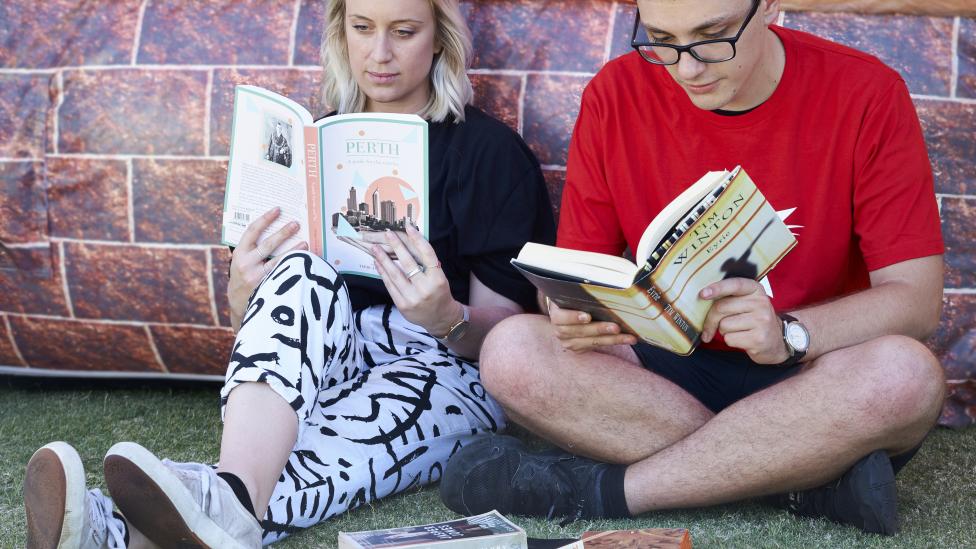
(646, 538)
(720, 227)
(487, 531)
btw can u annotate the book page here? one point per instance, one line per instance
(375, 179)
(267, 165)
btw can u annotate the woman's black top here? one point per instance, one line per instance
(487, 199)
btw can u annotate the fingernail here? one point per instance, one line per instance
(583, 317)
(706, 293)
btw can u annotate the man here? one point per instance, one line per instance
(279, 151)
(812, 385)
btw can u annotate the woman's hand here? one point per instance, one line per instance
(417, 285)
(251, 261)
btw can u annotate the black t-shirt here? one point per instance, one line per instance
(487, 199)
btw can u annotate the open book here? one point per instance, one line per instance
(346, 179)
(486, 531)
(720, 227)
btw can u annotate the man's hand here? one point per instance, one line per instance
(742, 313)
(577, 333)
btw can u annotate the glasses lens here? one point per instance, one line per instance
(659, 54)
(714, 52)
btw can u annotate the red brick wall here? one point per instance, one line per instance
(114, 124)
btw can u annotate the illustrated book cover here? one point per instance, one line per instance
(720, 227)
(486, 531)
(346, 179)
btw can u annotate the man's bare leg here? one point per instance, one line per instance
(797, 434)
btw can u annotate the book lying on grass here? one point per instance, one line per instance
(720, 227)
(346, 179)
(487, 531)
(646, 538)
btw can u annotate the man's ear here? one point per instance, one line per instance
(770, 11)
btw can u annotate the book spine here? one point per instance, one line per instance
(668, 309)
(314, 189)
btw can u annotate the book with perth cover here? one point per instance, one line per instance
(720, 227)
(646, 538)
(345, 179)
(486, 531)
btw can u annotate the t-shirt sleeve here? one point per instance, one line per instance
(509, 207)
(896, 217)
(588, 219)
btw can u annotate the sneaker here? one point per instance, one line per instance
(865, 496)
(61, 513)
(499, 472)
(178, 504)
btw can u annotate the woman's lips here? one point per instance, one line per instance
(381, 77)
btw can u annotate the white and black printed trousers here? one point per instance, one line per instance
(380, 404)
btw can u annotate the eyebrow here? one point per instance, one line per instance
(415, 21)
(707, 24)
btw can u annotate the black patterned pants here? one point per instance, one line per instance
(380, 404)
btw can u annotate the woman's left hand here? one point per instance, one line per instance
(417, 285)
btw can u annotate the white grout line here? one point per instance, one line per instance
(138, 37)
(608, 41)
(12, 160)
(781, 18)
(959, 100)
(523, 86)
(211, 288)
(206, 112)
(155, 350)
(62, 259)
(29, 245)
(162, 67)
(90, 156)
(553, 167)
(960, 291)
(514, 72)
(954, 78)
(142, 245)
(123, 323)
(956, 196)
(130, 209)
(293, 32)
(56, 115)
(13, 342)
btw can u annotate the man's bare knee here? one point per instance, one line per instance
(508, 351)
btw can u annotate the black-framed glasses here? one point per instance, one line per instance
(707, 51)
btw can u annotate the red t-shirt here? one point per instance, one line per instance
(838, 140)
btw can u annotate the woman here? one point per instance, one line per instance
(377, 386)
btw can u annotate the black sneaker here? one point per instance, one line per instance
(865, 496)
(499, 472)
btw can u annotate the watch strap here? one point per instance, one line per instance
(796, 355)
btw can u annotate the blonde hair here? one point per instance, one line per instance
(450, 87)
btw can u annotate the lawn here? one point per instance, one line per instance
(937, 489)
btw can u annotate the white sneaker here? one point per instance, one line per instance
(61, 513)
(178, 504)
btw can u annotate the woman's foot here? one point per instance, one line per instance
(61, 512)
(178, 504)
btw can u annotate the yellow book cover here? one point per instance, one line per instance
(728, 229)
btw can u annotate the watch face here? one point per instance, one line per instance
(797, 336)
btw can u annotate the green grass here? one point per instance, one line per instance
(937, 489)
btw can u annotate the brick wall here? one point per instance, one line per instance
(114, 126)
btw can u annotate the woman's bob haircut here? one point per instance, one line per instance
(449, 84)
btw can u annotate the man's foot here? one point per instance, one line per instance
(178, 504)
(499, 472)
(865, 496)
(61, 513)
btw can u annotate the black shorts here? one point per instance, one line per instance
(717, 379)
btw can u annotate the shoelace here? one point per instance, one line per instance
(105, 528)
(209, 497)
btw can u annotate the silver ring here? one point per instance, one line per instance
(415, 272)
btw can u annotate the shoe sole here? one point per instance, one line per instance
(157, 503)
(875, 477)
(54, 497)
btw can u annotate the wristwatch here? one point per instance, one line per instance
(456, 331)
(796, 337)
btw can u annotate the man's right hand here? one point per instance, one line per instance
(251, 261)
(578, 333)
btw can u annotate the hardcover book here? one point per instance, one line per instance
(647, 538)
(486, 531)
(720, 227)
(345, 179)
